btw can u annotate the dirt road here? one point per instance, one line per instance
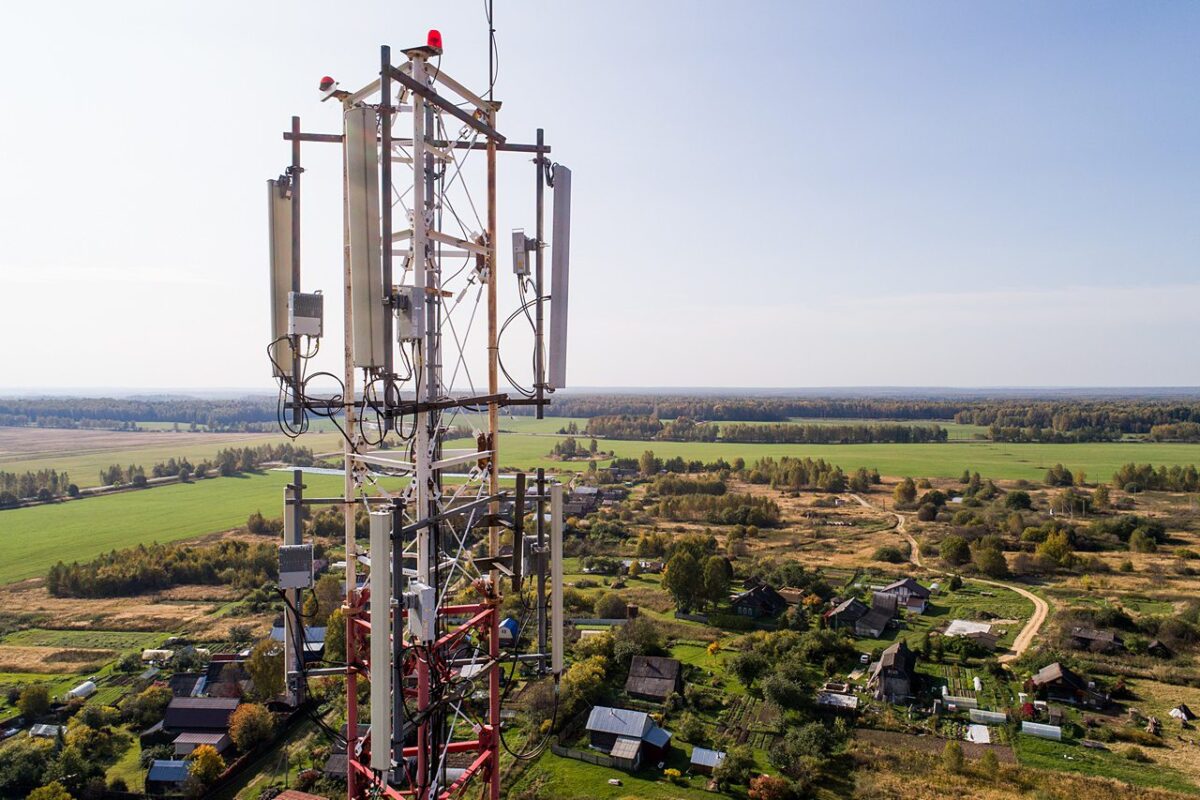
(1041, 609)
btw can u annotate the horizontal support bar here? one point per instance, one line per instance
(464, 457)
(506, 147)
(482, 501)
(418, 88)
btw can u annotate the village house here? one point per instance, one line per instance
(1096, 641)
(875, 622)
(1058, 683)
(893, 677)
(207, 714)
(653, 678)
(846, 613)
(759, 601)
(630, 738)
(1159, 650)
(910, 595)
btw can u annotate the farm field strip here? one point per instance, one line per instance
(83, 529)
(82, 454)
(939, 460)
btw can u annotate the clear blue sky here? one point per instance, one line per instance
(767, 193)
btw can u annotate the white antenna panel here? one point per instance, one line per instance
(366, 272)
(279, 216)
(560, 259)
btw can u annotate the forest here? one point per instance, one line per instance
(154, 567)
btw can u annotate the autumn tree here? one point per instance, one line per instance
(905, 492)
(51, 791)
(34, 702)
(265, 666)
(206, 765)
(683, 580)
(250, 725)
(716, 580)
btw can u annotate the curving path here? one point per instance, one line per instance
(1041, 609)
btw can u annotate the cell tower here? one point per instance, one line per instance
(424, 626)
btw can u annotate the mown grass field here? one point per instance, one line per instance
(82, 454)
(33, 539)
(1071, 757)
(530, 448)
(105, 640)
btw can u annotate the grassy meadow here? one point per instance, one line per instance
(527, 443)
(83, 453)
(33, 539)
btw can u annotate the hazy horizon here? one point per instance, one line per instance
(776, 193)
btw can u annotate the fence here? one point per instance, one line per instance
(701, 618)
(598, 759)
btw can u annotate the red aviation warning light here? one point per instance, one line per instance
(327, 83)
(434, 40)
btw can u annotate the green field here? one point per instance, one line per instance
(104, 640)
(36, 538)
(1070, 757)
(84, 467)
(528, 450)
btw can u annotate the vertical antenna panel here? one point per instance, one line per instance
(279, 220)
(381, 640)
(366, 272)
(560, 257)
(556, 578)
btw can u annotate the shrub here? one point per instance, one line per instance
(952, 757)
(1136, 754)
(610, 606)
(890, 554)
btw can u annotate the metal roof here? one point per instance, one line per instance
(621, 721)
(165, 771)
(199, 737)
(45, 730)
(625, 747)
(835, 700)
(703, 757)
(657, 737)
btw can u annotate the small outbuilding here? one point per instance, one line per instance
(166, 776)
(509, 631)
(704, 761)
(83, 690)
(653, 678)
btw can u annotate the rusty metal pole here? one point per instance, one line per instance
(494, 474)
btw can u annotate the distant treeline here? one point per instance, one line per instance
(750, 409)
(1011, 419)
(1143, 477)
(646, 428)
(671, 485)
(725, 509)
(121, 414)
(42, 484)
(1109, 418)
(795, 433)
(228, 461)
(799, 473)
(156, 567)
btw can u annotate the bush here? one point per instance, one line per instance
(952, 757)
(955, 550)
(610, 606)
(1136, 754)
(890, 554)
